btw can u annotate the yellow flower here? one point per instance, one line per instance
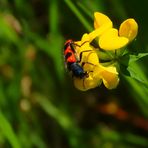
(84, 48)
(109, 37)
(93, 80)
(89, 60)
(110, 77)
(96, 72)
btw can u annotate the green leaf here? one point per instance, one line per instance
(130, 67)
(133, 58)
(127, 58)
(136, 72)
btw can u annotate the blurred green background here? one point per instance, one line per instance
(39, 106)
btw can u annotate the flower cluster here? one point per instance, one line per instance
(109, 40)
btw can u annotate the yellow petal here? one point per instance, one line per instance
(99, 31)
(86, 83)
(110, 77)
(81, 83)
(84, 51)
(85, 38)
(111, 41)
(93, 80)
(129, 29)
(92, 58)
(86, 54)
(100, 19)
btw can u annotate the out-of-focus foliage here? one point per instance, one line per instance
(39, 106)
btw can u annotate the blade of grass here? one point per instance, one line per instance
(8, 132)
(54, 112)
(55, 38)
(53, 17)
(139, 93)
(64, 120)
(118, 6)
(79, 15)
(134, 139)
(85, 9)
(95, 6)
(111, 135)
